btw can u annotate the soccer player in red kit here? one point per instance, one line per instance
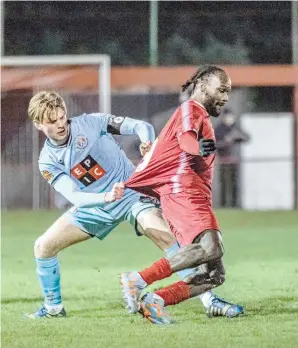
(178, 170)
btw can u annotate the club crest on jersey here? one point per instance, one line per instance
(88, 171)
(47, 175)
(81, 141)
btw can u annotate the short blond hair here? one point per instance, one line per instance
(45, 105)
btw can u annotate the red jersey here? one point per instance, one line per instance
(166, 168)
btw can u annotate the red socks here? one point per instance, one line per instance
(171, 294)
(174, 293)
(157, 271)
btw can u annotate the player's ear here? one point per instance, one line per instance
(37, 125)
(202, 87)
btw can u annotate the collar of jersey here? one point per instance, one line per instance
(61, 146)
(201, 105)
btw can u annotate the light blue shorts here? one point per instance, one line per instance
(90, 221)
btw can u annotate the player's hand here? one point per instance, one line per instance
(207, 147)
(145, 147)
(116, 193)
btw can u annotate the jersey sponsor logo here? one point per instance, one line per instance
(47, 175)
(88, 171)
(81, 141)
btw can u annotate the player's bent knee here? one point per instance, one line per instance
(43, 248)
(59, 236)
(214, 252)
(211, 242)
(218, 279)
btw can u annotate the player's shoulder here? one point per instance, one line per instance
(193, 106)
(93, 122)
(89, 118)
(46, 155)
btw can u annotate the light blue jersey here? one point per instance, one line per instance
(95, 162)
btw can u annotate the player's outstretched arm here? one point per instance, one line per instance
(130, 126)
(69, 189)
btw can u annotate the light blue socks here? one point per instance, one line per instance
(48, 272)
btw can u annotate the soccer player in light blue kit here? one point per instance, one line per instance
(82, 161)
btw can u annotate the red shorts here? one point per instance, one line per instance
(188, 215)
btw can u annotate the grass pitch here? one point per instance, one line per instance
(262, 274)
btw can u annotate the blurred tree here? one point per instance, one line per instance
(116, 50)
(218, 31)
(53, 41)
(177, 49)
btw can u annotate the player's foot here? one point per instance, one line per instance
(132, 286)
(220, 307)
(152, 308)
(43, 313)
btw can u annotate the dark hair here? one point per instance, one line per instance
(203, 71)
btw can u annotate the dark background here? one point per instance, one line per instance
(235, 32)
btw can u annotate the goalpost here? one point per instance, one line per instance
(104, 94)
(101, 60)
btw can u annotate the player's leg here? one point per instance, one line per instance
(198, 217)
(151, 224)
(148, 220)
(205, 277)
(213, 273)
(152, 305)
(146, 217)
(207, 297)
(191, 220)
(59, 236)
(207, 246)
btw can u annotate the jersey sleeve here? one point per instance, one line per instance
(98, 122)
(70, 190)
(191, 118)
(120, 125)
(107, 123)
(142, 129)
(50, 172)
